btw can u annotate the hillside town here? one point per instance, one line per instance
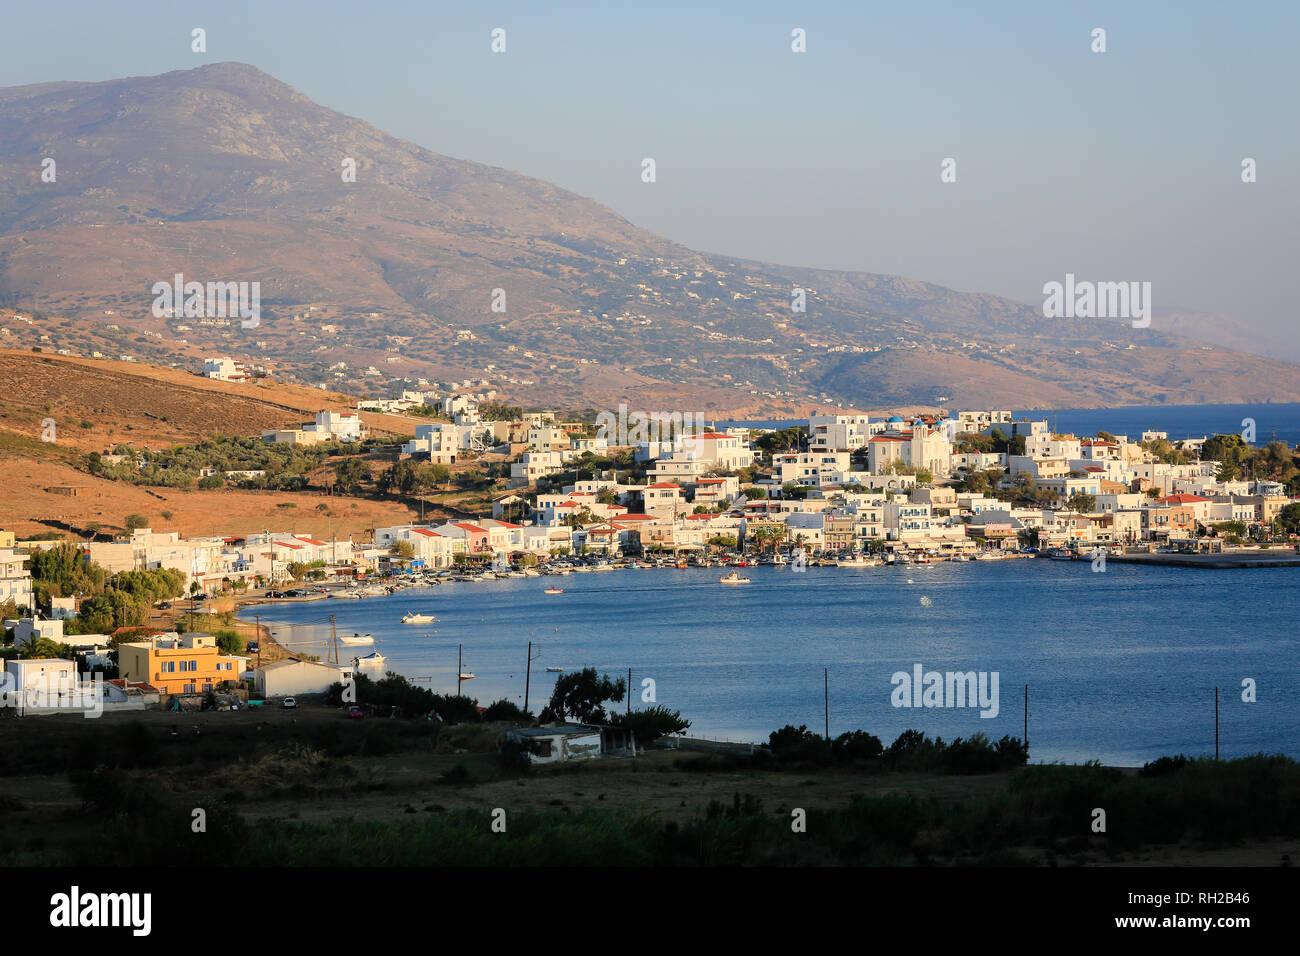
(839, 490)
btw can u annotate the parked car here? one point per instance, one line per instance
(165, 606)
(355, 712)
(288, 702)
(252, 647)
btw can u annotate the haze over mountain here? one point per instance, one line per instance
(223, 173)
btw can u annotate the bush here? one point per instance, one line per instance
(652, 723)
(504, 709)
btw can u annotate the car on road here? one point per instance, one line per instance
(288, 703)
(355, 712)
(165, 606)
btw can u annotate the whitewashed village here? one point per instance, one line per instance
(839, 491)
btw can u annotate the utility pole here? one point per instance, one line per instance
(458, 667)
(1026, 718)
(826, 699)
(257, 620)
(528, 674)
(1216, 723)
(629, 692)
(334, 640)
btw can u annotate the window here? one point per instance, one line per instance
(187, 689)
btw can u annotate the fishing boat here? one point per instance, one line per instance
(412, 618)
(467, 676)
(556, 670)
(856, 560)
(554, 591)
(358, 639)
(1061, 554)
(733, 578)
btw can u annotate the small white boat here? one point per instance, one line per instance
(733, 578)
(554, 591)
(858, 560)
(467, 676)
(556, 670)
(370, 660)
(412, 618)
(358, 639)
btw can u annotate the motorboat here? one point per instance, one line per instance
(733, 578)
(358, 639)
(554, 591)
(858, 560)
(370, 660)
(467, 676)
(555, 670)
(412, 618)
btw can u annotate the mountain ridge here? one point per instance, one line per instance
(225, 172)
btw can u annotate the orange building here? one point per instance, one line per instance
(179, 663)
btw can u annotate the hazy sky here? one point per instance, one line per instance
(1123, 165)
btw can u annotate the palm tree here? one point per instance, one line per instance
(38, 648)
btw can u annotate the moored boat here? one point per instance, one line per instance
(733, 578)
(412, 618)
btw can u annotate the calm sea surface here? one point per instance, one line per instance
(1121, 665)
(1281, 420)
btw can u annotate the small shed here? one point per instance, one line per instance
(553, 743)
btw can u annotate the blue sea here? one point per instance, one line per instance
(1279, 421)
(1121, 666)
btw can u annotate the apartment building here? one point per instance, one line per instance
(189, 663)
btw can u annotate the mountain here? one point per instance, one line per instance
(223, 173)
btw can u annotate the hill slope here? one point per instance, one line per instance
(224, 173)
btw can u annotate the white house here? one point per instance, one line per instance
(288, 678)
(15, 580)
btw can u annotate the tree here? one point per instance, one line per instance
(1082, 503)
(229, 642)
(438, 475)
(136, 521)
(297, 569)
(1288, 519)
(403, 550)
(582, 695)
(652, 723)
(350, 473)
(41, 647)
